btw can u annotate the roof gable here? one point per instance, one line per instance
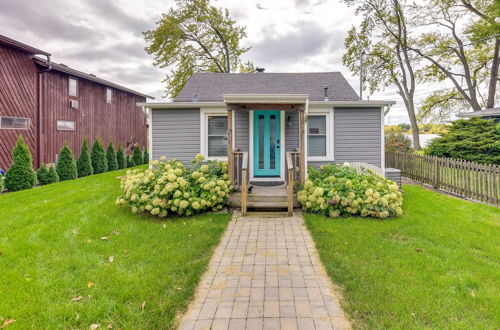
(210, 87)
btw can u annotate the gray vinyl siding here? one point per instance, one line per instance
(176, 133)
(292, 133)
(241, 127)
(357, 136)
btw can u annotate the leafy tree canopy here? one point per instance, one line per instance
(196, 36)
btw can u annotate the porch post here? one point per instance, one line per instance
(230, 159)
(302, 156)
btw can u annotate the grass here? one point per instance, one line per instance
(437, 266)
(51, 251)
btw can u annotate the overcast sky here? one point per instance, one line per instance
(104, 37)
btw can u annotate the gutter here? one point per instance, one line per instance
(40, 80)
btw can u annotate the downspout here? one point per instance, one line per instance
(40, 108)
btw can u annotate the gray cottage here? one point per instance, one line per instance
(269, 126)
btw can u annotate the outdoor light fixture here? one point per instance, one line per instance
(289, 122)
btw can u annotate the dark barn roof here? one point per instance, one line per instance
(72, 72)
(211, 86)
(19, 45)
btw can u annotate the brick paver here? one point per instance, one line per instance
(265, 274)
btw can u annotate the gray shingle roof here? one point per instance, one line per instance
(211, 86)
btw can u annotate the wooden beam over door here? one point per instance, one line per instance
(302, 142)
(230, 158)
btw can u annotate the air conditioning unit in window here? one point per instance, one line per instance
(73, 104)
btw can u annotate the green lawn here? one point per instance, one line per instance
(51, 251)
(437, 266)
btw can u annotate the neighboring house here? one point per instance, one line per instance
(492, 113)
(317, 116)
(51, 104)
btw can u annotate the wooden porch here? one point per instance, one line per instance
(278, 197)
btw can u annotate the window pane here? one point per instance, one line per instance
(316, 145)
(63, 125)
(272, 148)
(217, 146)
(109, 95)
(217, 125)
(14, 123)
(317, 124)
(73, 87)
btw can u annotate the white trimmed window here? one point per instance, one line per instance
(65, 125)
(109, 95)
(214, 134)
(320, 136)
(14, 123)
(73, 87)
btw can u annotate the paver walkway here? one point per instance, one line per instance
(265, 274)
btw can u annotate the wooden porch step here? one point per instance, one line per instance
(267, 205)
(256, 200)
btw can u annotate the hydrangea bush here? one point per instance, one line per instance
(171, 188)
(337, 190)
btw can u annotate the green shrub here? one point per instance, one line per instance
(98, 156)
(21, 174)
(2, 182)
(137, 156)
(170, 187)
(42, 175)
(111, 157)
(66, 166)
(120, 158)
(84, 163)
(53, 177)
(130, 161)
(146, 157)
(397, 142)
(475, 139)
(336, 190)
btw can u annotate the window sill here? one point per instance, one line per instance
(320, 159)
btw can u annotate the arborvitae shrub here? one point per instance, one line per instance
(42, 175)
(84, 163)
(53, 177)
(66, 166)
(120, 158)
(146, 156)
(99, 162)
(21, 174)
(111, 157)
(130, 161)
(137, 157)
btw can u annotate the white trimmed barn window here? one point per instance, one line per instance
(14, 123)
(73, 87)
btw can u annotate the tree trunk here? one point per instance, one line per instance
(490, 103)
(410, 107)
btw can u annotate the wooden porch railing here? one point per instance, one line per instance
(244, 183)
(293, 173)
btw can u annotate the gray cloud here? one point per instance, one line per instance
(138, 76)
(113, 13)
(43, 21)
(309, 40)
(119, 51)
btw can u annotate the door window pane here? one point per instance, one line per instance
(272, 148)
(14, 123)
(217, 136)
(261, 141)
(316, 137)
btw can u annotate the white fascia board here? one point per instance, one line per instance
(351, 104)
(181, 105)
(266, 98)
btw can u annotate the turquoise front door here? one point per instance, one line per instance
(266, 144)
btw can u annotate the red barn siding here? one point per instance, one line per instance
(18, 97)
(121, 121)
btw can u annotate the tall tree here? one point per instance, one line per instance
(384, 38)
(195, 36)
(460, 41)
